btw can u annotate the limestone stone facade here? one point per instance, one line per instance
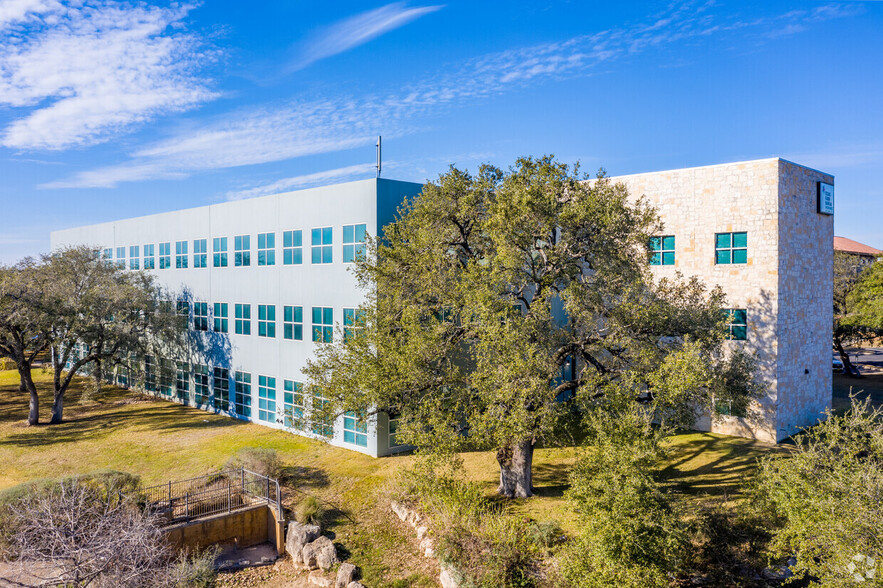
(785, 284)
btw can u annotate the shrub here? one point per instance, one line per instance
(487, 545)
(633, 533)
(6, 364)
(260, 460)
(310, 511)
(195, 570)
(825, 499)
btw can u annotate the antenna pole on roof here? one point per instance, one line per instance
(378, 156)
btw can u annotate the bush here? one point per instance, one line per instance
(633, 533)
(310, 511)
(260, 460)
(6, 364)
(824, 500)
(480, 539)
(196, 570)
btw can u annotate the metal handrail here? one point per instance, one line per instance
(224, 491)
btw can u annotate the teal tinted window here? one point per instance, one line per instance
(221, 325)
(201, 385)
(266, 320)
(200, 316)
(292, 248)
(321, 426)
(731, 248)
(323, 324)
(293, 402)
(737, 323)
(219, 248)
(267, 249)
(182, 381)
(200, 253)
(181, 254)
(221, 389)
(266, 399)
(321, 245)
(134, 257)
(242, 405)
(243, 319)
(293, 322)
(242, 250)
(353, 242)
(148, 257)
(662, 250)
(165, 255)
(353, 321)
(355, 430)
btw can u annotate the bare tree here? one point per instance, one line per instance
(78, 534)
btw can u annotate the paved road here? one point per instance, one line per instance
(870, 364)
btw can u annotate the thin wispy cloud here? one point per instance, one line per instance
(357, 30)
(84, 72)
(360, 171)
(297, 128)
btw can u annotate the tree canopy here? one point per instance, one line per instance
(500, 304)
(86, 313)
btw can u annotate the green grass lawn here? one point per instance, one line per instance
(162, 441)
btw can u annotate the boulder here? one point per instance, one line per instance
(346, 575)
(299, 535)
(400, 509)
(427, 546)
(318, 578)
(319, 554)
(355, 585)
(421, 532)
(449, 578)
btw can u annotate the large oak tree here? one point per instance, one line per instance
(501, 304)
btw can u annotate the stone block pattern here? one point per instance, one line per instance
(696, 203)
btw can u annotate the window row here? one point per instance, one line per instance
(320, 250)
(322, 326)
(263, 398)
(729, 248)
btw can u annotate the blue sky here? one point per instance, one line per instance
(111, 109)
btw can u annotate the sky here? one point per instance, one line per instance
(111, 109)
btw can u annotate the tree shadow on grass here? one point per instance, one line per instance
(550, 480)
(305, 477)
(712, 466)
(107, 413)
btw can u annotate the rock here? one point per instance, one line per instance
(400, 509)
(427, 546)
(421, 532)
(319, 554)
(355, 585)
(299, 535)
(413, 518)
(449, 578)
(776, 573)
(318, 578)
(346, 575)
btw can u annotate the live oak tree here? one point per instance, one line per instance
(103, 316)
(86, 313)
(500, 304)
(25, 327)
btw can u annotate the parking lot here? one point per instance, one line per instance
(870, 364)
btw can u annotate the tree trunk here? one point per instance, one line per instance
(57, 407)
(516, 462)
(24, 372)
(22, 386)
(848, 370)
